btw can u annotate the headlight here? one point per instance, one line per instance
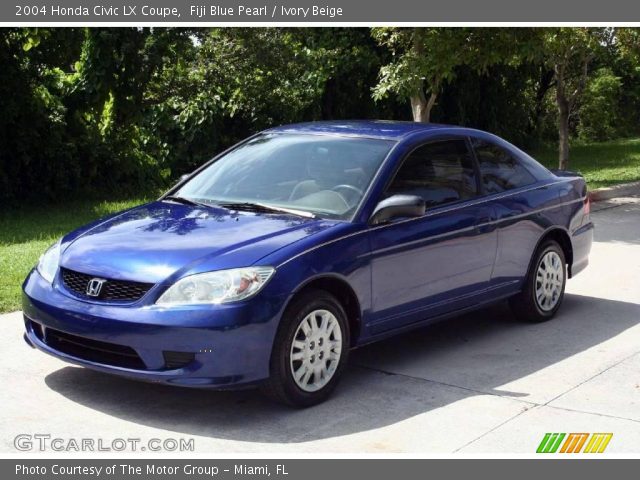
(48, 263)
(217, 287)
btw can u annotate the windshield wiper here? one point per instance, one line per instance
(261, 207)
(186, 201)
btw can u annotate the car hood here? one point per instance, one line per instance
(163, 240)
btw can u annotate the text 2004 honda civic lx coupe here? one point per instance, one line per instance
(267, 264)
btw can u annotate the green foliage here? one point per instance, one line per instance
(74, 103)
(90, 111)
(502, 101)
(629, 42)
(419, 55)
(599, 117)
(233, 82)
(426, 59)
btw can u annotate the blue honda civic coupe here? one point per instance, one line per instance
(266, 265)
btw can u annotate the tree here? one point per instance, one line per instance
(599, 112)
(424, 59)
(629, 41)
(569, 51)
(89, 110)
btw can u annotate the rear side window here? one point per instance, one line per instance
(500, 170)
(440, 172)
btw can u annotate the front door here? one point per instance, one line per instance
(424, 267)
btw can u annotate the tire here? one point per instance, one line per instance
(318, 353)
(543, 292)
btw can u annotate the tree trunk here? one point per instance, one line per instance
(566, 103)
(544, 84)
(421, 107)
(563, 119)
(563, 136)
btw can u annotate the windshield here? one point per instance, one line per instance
(320, 174)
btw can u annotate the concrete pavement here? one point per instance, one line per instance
(482, 382)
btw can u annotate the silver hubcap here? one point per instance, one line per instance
(549, 281)
(316, 349)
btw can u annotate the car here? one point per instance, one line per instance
(268, 264)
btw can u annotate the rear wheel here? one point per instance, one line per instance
(544, 286)
(310, 350)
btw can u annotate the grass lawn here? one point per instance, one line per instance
(602, 164)
(26, 233)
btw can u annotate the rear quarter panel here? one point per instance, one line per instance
(524, 217)
(572, 193)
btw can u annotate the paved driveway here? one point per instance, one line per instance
(482, 382)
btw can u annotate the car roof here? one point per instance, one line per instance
(384, 129)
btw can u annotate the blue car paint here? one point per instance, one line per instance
(403, 274)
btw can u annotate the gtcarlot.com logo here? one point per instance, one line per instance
(574, 443)
(43, 442)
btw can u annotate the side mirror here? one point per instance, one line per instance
(398, 206)
(183, 177)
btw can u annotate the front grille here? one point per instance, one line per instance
(89, 349)
(173, 360)
(118, 290)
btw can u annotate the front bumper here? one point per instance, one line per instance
(220, 346)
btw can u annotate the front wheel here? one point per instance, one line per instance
(543, 290)
(310, 350)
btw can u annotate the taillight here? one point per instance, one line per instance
(587, 206)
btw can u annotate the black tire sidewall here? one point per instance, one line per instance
(280, 365)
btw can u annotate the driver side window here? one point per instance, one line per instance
(440, 172)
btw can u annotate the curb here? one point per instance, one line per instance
(621, 190)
